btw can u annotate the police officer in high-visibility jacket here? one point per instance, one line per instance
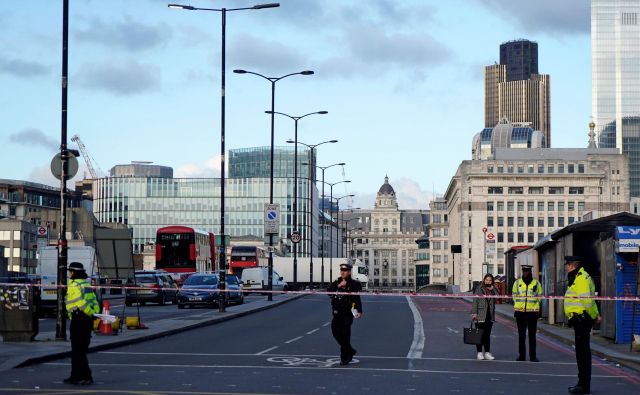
(81, 305)
(526, 306)
(581, 313)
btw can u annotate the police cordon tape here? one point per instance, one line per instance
(368, 293)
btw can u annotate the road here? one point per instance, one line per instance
(290, 350)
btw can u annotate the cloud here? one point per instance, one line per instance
(269, 57)
(23, 68)
(122, 78)
(408, 192)
(42, 175)
(128, 34)
(34, 137)
(545, 16)
(210, 168)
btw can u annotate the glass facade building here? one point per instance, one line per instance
(256, 162)
(521, 59)
(615, 51)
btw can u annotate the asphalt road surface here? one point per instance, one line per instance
(403, 348)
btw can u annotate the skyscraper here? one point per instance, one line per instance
(615, 75)
(515, 90)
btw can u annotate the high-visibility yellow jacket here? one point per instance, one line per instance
(582, 286)
(526, 297)
(80, 296)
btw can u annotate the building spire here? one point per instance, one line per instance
(592, 135)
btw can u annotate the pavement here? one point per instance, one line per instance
(600, 346)
(164, 321)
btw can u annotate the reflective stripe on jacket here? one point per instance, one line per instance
(582, 286)
(525, 296)
(80, 296)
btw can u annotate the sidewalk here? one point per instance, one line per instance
(45, 348)
(600, 346)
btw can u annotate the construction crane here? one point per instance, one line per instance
(87, 158)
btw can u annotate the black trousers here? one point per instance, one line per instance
(80, 330)
(486, 336)
(527, 322)
(582, 332)
(341, 330)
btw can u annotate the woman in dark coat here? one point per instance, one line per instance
(484, 312)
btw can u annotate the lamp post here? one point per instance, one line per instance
(337, 225)
(331, 184)
(295, 186)
(223, 12)
(273, 81)
(312, 173)
(345, 226)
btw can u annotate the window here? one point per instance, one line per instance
(495, 190)
(489, 221)
(571, 168)
(580, 206)
(530, 169)
(510, 237)
(540, 206)
(520, 206)
(500, 221)
(436, 232)
(560, 221)
(540, 169)
(536, 190)
(531, 206)
(560, 206)
(490, 169)
(520, 237)
(550, 169)
(437, 245)
(551, 222)
(571, 206)
(540, 222)
(520, 221)
(561, 168)
(520, 169)
(489, 206)
(500, 206)
(510, 206)
(437, 259)
(576, 190)
(510, 169)
(509, 221)
(571, 220)
(516, 190)
(556, 190)
(530, 221)
(551, 206)
(530, 237)
(580, 168)
(500, 237)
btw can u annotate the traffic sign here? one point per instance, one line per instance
(42, 231)
(484, 230)
(295, 237)
(271, 218)
(490, 236)
(72, 166)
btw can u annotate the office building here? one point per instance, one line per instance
(615, 79)
(515, 90)
(505, 135)
(521, 195)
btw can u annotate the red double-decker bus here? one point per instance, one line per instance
(246, 256)
(181, 249)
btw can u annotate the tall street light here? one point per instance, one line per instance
(337, 222)
(312, 173)
(223, 12)
(273, 81)
(345, 226)
(295, 188)
(331, 184)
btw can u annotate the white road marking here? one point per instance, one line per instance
(293, 340)
(415, 352)
(453, 330)
(266, 351)
(313, 331)
(155, 366)
(326, 323)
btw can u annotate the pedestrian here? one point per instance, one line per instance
(526, 309)
(582, 313)
(344, 308)
(82, 304)
(483, 311)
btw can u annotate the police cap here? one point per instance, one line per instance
(572, 259)
(76, 267)
(346, 266)
(525, 267)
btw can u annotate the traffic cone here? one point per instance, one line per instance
(105, 326)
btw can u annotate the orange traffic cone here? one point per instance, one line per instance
(105, 326)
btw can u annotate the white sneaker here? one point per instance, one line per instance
(480, 356)
(488, 356)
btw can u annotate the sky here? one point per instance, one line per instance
(402, 82)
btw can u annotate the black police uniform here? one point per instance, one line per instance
(343, 317)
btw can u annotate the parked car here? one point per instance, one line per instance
(257, 279)
(203, 289)
(155, 286)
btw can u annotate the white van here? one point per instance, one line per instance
(257, 279)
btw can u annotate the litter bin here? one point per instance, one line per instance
(18, 315)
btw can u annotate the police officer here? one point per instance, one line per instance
(526, 306)
(345, 308)
(581, 315)
(81, 305)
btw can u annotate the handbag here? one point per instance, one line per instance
(473, 334)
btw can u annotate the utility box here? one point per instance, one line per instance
(18, 315)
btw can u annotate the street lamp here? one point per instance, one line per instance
(273, 81)
(331, 184)
(337, 225)
(295, 188)
(312, 173)
(345, 226)
(223, 11)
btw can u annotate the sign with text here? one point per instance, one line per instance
(271, 218)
